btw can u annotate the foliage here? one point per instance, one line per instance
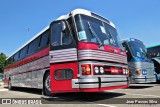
(2, 60)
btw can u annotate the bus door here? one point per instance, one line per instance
(63, 57)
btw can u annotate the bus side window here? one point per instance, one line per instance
(23, 52)
(33, 46)
(60, 34)
(66, 38)
(129, 56)
(16, 57)
(44, 41)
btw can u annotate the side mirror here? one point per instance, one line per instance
(63, 26)
(123, 49)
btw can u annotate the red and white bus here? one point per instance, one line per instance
(78, 52)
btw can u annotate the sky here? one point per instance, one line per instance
(20, 20)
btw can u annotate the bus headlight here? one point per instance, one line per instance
(86, 69)
(139, 71)
(125, 71)
(101, 70)
(96, 70)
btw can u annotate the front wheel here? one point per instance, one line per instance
(46, 85)
(157, 80)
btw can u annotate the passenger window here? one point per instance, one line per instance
(44, 40)
(10, 60)
(23, 52)
(16, 57)
(60, 34)
(33, 46)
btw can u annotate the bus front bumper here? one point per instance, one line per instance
(143, 79)
(99, 82)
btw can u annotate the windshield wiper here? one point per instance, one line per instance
(94, 34)
(144, 52)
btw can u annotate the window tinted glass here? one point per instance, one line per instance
(10, 60)
(138, 49)
(33, 46)
(16, 57)
(23, 52)
(154, 51)
(129, 56)
(59, 35)
(44, 39)
(93, 30)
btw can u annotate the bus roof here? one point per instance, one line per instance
(74, 12)
(130, 39)
(154, 45)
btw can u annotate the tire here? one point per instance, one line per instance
(46, 85)
(10, 87)
(157, 81)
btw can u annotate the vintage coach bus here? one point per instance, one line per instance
(140, 65)
(78, 52)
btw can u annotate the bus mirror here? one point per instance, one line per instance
(63, 27)
(123, 49)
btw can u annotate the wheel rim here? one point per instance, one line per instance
(47, 83)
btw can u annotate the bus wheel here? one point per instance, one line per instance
(157, 80)
(10, 85)
(46, 84)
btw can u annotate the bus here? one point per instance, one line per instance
(78, 52)
(154, 53)
(140, 65)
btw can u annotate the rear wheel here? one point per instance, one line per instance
(46, 85)
(157, 80)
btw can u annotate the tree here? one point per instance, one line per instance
(2, 60)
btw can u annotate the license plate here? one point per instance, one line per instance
(114, 70)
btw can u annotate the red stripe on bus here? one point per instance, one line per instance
(31, 58)
(94, 46)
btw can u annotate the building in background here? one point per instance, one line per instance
(154, 53)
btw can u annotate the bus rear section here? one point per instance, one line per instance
(140, 65)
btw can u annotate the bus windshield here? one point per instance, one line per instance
(138, 49)
(93, 30)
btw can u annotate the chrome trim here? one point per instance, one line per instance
(95, 83)
(133, 66)
(113, 79)
(89, 85)
(101, 55)
(142, 79)
(63, 55)
(30, 74)
(113, 84)
(74, 85)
